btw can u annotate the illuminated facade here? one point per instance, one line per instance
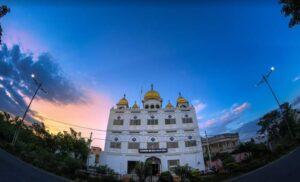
(164, 136)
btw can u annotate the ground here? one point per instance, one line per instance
(13, 169)
(286, 168)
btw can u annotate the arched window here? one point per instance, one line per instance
(152, 106)
(157, 106)
(147, 106)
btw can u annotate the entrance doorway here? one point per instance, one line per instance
(155, 165)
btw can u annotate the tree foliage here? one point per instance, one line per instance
(63, 153)
(291, 8)
(3, 11)
(280, 126)
(142, 170)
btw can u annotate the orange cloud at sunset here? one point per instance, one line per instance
(92, 114)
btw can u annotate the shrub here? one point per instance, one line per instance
(166, 177)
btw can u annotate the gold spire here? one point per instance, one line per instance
(169, 105)
(152, 94)
(135, 106)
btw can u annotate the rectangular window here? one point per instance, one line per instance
(152, 145)
(172, 145)
(152, 122)
(170, 121)
(172, 164)
(190, 143)
(118, 122)
(116, 131)
(133, 145)
(171, 131)
(152, 131)
(188, 130)
(115, 145)
(187, 120)
(134, 132)
(135, 122)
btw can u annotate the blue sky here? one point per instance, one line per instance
(213, 53)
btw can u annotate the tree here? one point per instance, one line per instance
(142, 170)
(269, 124)
(165, 177)
(183, 172)
(291, 8)
(3, 11)
(288, 126)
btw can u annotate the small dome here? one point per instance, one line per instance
(135, 106)
(181, 100)
(169, 105)
(152, 94)
(123, 101)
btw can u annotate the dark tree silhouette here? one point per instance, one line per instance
(3, 11)
(291, 8)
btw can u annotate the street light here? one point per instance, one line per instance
(39, 86)
(265, 80)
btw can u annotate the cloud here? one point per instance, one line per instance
(227, 116)
(296, 102)
(296, 78)
(199, 106)
(92, 114)
(16, 83)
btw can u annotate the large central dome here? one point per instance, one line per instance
(152, 94)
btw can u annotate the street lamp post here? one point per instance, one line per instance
(265, 80)
(208, 150)
(39, 86)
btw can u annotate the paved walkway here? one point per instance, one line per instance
(285, 169)
(13, 169)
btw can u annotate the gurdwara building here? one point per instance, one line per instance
(163, 136)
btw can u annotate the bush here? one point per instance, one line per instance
(166, 177)
(63, 154)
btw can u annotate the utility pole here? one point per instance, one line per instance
(39, 86)
(208, 149)
(88, 157)
(265, 80)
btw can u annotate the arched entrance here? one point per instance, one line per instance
(155, 164)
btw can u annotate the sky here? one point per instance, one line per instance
(89, 54)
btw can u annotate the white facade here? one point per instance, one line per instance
(171, 135)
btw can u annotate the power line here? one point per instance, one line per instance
(123, 134)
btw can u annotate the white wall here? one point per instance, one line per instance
(117, 158)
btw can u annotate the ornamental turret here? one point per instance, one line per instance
(152, 99)
(182, 102)
(123, 103)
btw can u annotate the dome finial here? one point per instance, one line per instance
(124, 96)
(151, 86)
(179, 94)
(135, 106)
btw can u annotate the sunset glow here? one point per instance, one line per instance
(92, 114)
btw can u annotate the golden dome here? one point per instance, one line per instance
(181, 100)
(123, 101)
(135, 106)
(152, 94)
(169, 105)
